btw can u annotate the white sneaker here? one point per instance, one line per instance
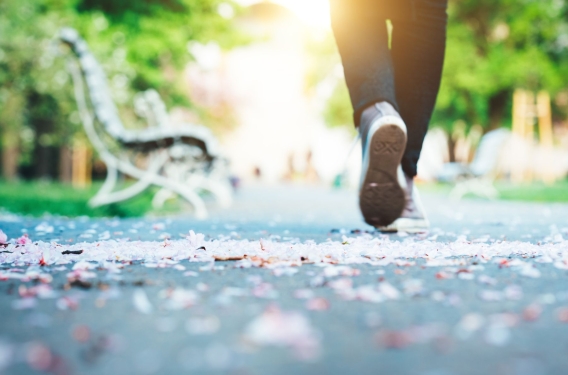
(382, 188)
(413, 218)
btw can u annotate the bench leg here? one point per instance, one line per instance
(106, 195)
(194, 181)
(482, 187)
(222, 191)
(161, 197)
(188, 194)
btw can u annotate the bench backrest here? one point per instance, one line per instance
(95, 78)
(488, 152)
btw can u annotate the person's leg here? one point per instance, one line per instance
(361, 34)
(408, 76)
(362, 38)
(378, 80)
(418, 47)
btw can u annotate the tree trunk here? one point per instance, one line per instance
(65, 164)
(496, 110)
(10, 155)
(451, 148)
(10, 123)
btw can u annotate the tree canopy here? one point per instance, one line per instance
(495, 46)
(141, 43)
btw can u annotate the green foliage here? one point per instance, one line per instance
(32, 85)
(153, 35)
(338, 110)
(495, 46)
(140, 43)
(323, 58)
(324, 66)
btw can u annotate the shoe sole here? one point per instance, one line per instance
(411, 226)
(381, 198)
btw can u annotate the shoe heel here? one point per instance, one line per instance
(381, 198)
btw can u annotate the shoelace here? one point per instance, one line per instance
(351, 148)
(354, 143)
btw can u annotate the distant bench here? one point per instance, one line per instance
(181, 160)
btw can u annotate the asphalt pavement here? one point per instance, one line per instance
(474, 316)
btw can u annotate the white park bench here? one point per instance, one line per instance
(477, 177)
(182, 160)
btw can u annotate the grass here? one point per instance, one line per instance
(38, 198)
(527, 192)
(534, 192)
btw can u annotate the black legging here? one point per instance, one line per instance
(408, 75)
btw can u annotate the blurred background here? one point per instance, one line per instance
(266, 78)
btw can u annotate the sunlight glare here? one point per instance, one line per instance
(314, 13)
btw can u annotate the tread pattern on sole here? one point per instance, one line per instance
(381, 198)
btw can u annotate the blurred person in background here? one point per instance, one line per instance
(392, 54)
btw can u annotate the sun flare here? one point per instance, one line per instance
(314, 13)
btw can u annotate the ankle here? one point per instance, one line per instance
(372, 112)
(377, 108)
(367, 117)
(386, 107)
(409, 180)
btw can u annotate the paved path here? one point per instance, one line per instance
(473, 316)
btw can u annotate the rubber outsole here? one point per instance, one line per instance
(381, 198)
(406, 225)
